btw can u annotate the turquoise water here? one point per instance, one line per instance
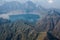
(25, 17)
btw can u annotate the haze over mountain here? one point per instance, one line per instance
(28, 21)
(44, 3)
(12, 6)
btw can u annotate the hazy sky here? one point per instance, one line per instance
(45, 3)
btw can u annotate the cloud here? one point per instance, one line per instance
(7, 15)
(2, 2)
(21, 1)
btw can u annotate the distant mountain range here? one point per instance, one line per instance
(29, 6)
(46, 22)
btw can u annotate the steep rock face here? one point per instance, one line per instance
(56, 31)
(49, 22)
(17, 31)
